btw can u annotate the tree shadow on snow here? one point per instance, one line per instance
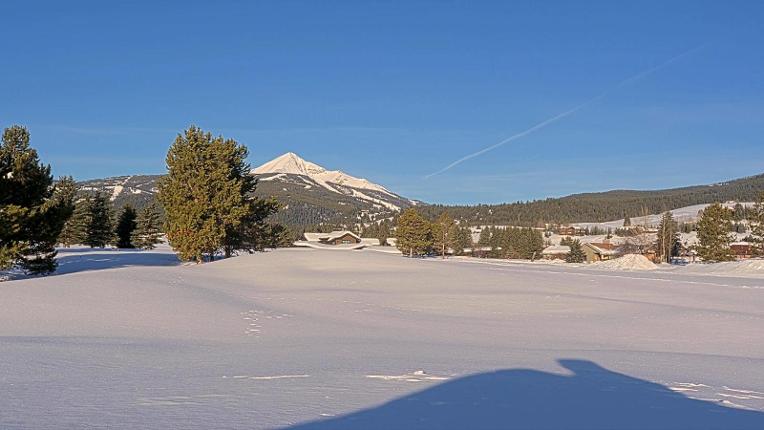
(72, 261)
(591, 398)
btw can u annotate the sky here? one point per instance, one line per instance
(394, 91)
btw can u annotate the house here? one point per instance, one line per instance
(741, 250)
(599, 251)
(555, 252)
(566, 231)
(340, 237)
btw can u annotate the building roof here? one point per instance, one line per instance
(555, 250)
(318, 237)
(602, 248)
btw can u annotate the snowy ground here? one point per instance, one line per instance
(364, 339)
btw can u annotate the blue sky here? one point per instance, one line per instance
(394, 91)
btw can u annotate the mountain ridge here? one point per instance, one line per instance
(311, 194)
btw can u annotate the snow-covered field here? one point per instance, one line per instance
(364, 339)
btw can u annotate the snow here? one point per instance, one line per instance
(683, 214)
(626, 262)
(364, 340)
(291, 163)
(745, 268)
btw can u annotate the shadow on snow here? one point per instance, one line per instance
(82, 260)
(591, 398)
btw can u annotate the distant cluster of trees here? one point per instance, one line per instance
(512, 242)
(95, 224)
(417, 236)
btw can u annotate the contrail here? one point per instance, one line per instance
(542, 124)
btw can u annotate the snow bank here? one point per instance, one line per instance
(627, 262)
(753, 268)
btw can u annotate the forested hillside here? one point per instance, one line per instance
(307, 205)
(605, 206)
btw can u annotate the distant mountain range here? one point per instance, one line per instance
(311, 194)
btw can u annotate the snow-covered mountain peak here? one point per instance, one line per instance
(291, 163)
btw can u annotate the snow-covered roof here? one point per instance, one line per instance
(556, 249)
(602, 248)
(318, 237)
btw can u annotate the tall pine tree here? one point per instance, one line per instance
(756, 218)
(74, 231)
(126, 224)
(208, 198)
(668, 237)
(443, 231)
(576, 253)
(714, 235)
(147, 231)
(32, 210)
(99, 231)
(413, 233)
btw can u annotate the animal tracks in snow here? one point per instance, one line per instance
(255, 319)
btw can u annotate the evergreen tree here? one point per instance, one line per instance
(75, 227)
(125, 227)
(756, 218)
(443, 233)
(99, 231)
(383, 232)
(668, 238)
(208, 197)
(576, 253)
(147, 229)
(738, 212)
(32, 210)
(413, 233)
(485, 237)
(278, 236)
(626, 221)
(462, 239)
(713, 233)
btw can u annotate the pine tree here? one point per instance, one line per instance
(98, 231)
(208, 198)
(738, 212)
(32, 210)
(626, 221)
(442, 234)
(462, 239)
(413, 233)
(147, 230)
(75, 227)
(126, 224)
(383, 232)
(576, 253)
(713, 233)
(668, 238)
(756, 218)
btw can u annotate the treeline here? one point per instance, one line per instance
(96, 224)
(208, 197)
(417, 236)
(599, 207)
